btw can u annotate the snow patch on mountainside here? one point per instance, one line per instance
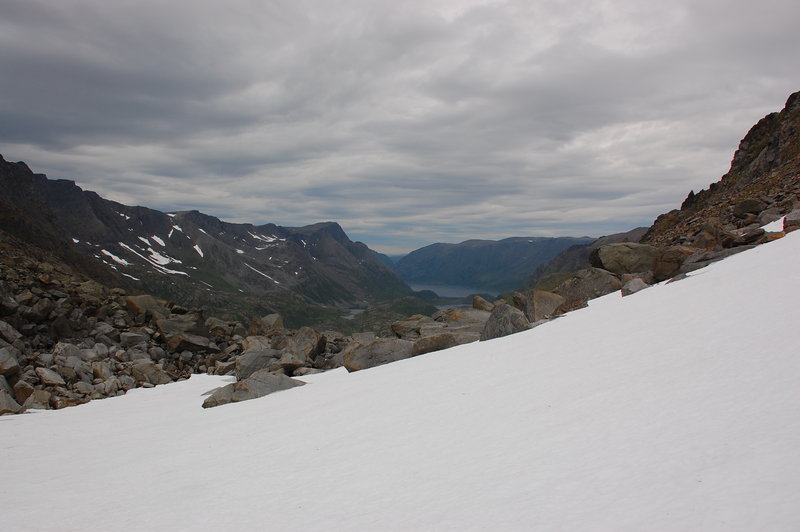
(676, 408)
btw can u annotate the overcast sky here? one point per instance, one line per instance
(407, 122)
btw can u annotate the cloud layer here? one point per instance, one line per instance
(406, 122)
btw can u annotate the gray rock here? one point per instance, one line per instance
(189, 342)
(538, 304)
(4, 385)
(306, 343)
(66, 349)
(40, 310)
(634, 285)
(503, 321)
(22, 390)
(147, 304)
(9, 333)
(8, 405)
(131, 339)
(480, 303)
(220, 330)
(748, 206)
(588, 284)
(259, 384)
(624, 257)
(256, 343)
(48, 377)
(376, 353)
(9, 366)
(253, 361)
(266, 326)
(792, 221)
(147, 371)
(39, 399)
(437, 342)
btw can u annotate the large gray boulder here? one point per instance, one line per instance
(8, 362)
(503, 321)
(538, 304)
(259, 384)
(376, 353)
(48, 377)
(267, 326)
(588, 284)
(435, 342)
(624, 257)
(253, 361)
(7, 404)
(146, 371)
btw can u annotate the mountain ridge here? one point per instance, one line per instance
(496, 265)
(196, 258)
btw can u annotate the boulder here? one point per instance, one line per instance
(148, 372)
(259, 384)
(266, 326)
(624, 257)
(180, 342)
(189, 323)
(48, 377)
(376, 353)
(634, 285)
(8, 405)
(221, 330)
(130, 339)
(9, 333)
(503, 321)
(148, 305)
(792, 221)
(306, 343)
(748, 206)
(253, 361)
(436, 342)
(22, 390)
(537, 305)
(39, 399)
(9, 365)
(670, 260)
(256, 343)
(408, 329)
(480, 303)
(588, 284)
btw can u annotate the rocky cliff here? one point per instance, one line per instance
(762, 183)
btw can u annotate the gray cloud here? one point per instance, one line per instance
(408, 122)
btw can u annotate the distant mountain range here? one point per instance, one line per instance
(199, 260)
(490, 265)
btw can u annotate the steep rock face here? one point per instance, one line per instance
(765, 170)
(199, 260)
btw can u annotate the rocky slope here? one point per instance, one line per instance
(238, 270)
(484, 264)
(762, 184)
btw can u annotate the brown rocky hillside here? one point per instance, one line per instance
(764, 180)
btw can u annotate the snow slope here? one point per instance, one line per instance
(677, 408)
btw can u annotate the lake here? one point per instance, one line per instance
(450, 290)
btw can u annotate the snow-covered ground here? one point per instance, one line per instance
(674, 409)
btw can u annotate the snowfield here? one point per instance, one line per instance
(674, 409)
